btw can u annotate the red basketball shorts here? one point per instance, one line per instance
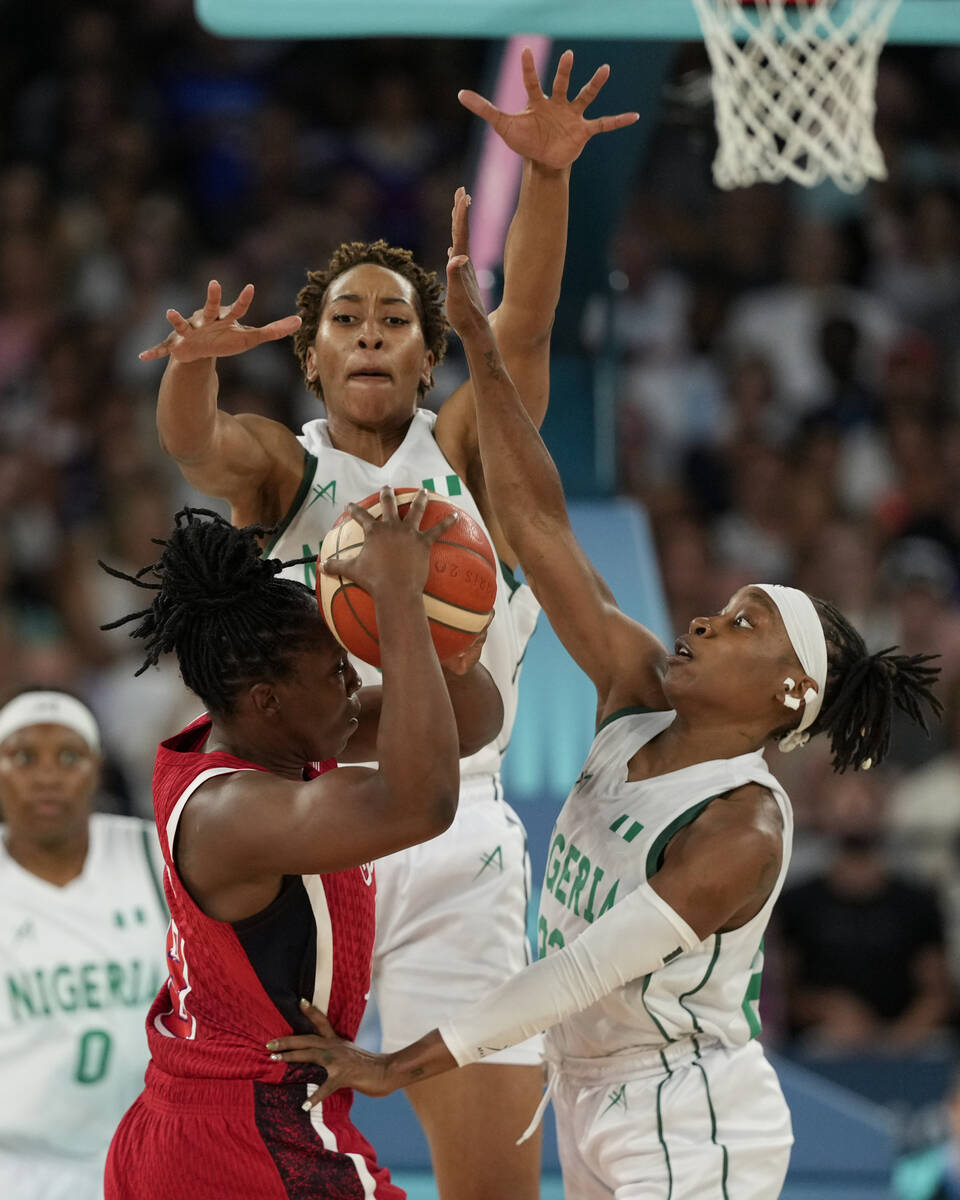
(213, 1139)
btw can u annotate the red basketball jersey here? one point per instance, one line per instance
(234, 986)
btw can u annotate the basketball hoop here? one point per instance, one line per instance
(793, 88)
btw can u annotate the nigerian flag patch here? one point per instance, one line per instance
(444, 485)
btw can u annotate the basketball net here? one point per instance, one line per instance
(793, 87)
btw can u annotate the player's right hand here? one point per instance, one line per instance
(395, 556)
(346, 1065)
(214, 331)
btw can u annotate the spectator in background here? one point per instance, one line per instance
(864, 949)
(82, 926)
(924, 823)
(921, 584)
(783, 322)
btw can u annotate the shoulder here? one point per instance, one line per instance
(747, 817)
(754, 805)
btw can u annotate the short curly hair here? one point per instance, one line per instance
(426, 286)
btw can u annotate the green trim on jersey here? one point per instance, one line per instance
(752, 995)
(693, 991)
(713, 1134)
(309, 471)
(666, 1152)
(627, 712)
(510, 579)
(658, 849)
(643, 1000)
(145, 834)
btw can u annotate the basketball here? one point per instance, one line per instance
(458, 596)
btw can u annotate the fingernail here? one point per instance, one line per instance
(306, 1106)
(304, 1003)
(275, 1058)
(271, 1045)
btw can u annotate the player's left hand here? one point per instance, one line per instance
(551, 130)
(346, 1065)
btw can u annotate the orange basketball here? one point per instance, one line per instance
(458, 596)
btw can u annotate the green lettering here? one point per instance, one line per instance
(556, 939)
(572, 855)
(21, 1002)
(94, 1056)
(583, 871)
(115, 983)
(542, 940)
(611, 896)
(91, 994)
(65, 988)
(42, 992)
(136, 973)
(553, 866)
(597, 876)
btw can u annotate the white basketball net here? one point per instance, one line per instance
(793, 87)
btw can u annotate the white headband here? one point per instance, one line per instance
(49, 708)
(806, 637)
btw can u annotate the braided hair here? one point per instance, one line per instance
(221, 607)
(863, 691)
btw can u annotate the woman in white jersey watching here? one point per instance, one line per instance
(667, 856)
(370, 331)
(82, 926)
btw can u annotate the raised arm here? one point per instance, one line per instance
(549, 134)
(241, 459)
(621, 657)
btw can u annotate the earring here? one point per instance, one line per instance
(791, 702)
(810, 694)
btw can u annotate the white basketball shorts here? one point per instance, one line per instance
(716, 1126)
(451, 920)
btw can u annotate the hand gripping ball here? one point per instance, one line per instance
(460, 590)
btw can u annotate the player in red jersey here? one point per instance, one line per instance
(269, 850)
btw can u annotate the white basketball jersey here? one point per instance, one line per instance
(609, 839)
(80, 966)
(333, 478)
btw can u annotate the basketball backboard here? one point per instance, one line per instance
(921, 21)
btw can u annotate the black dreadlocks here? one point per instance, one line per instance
(221, 607)
(863, 690)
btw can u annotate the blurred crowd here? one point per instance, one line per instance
(789, 400)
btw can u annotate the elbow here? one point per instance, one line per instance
(442, 810)
(481, 732)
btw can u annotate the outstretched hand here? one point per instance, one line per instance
(346, 1065)
(214, 331)
(551, 130)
